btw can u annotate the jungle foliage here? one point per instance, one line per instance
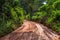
(13, 12)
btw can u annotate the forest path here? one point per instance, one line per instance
(32, 31)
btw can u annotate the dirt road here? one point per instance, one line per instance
(32, 31)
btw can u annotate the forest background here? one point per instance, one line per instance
(13, 12)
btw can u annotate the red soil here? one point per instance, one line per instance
(32, 31)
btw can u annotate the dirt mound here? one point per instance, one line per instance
(32, 31)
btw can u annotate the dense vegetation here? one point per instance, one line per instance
(13, 12)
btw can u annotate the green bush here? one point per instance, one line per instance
(27, 17)
(38, 15)
(56, 27)
(5, 28)
(51, 17)
(11, 16)
(57, 5)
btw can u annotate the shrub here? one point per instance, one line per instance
(56, 27)
(5, 28)
(11, 17)
(57, 5)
